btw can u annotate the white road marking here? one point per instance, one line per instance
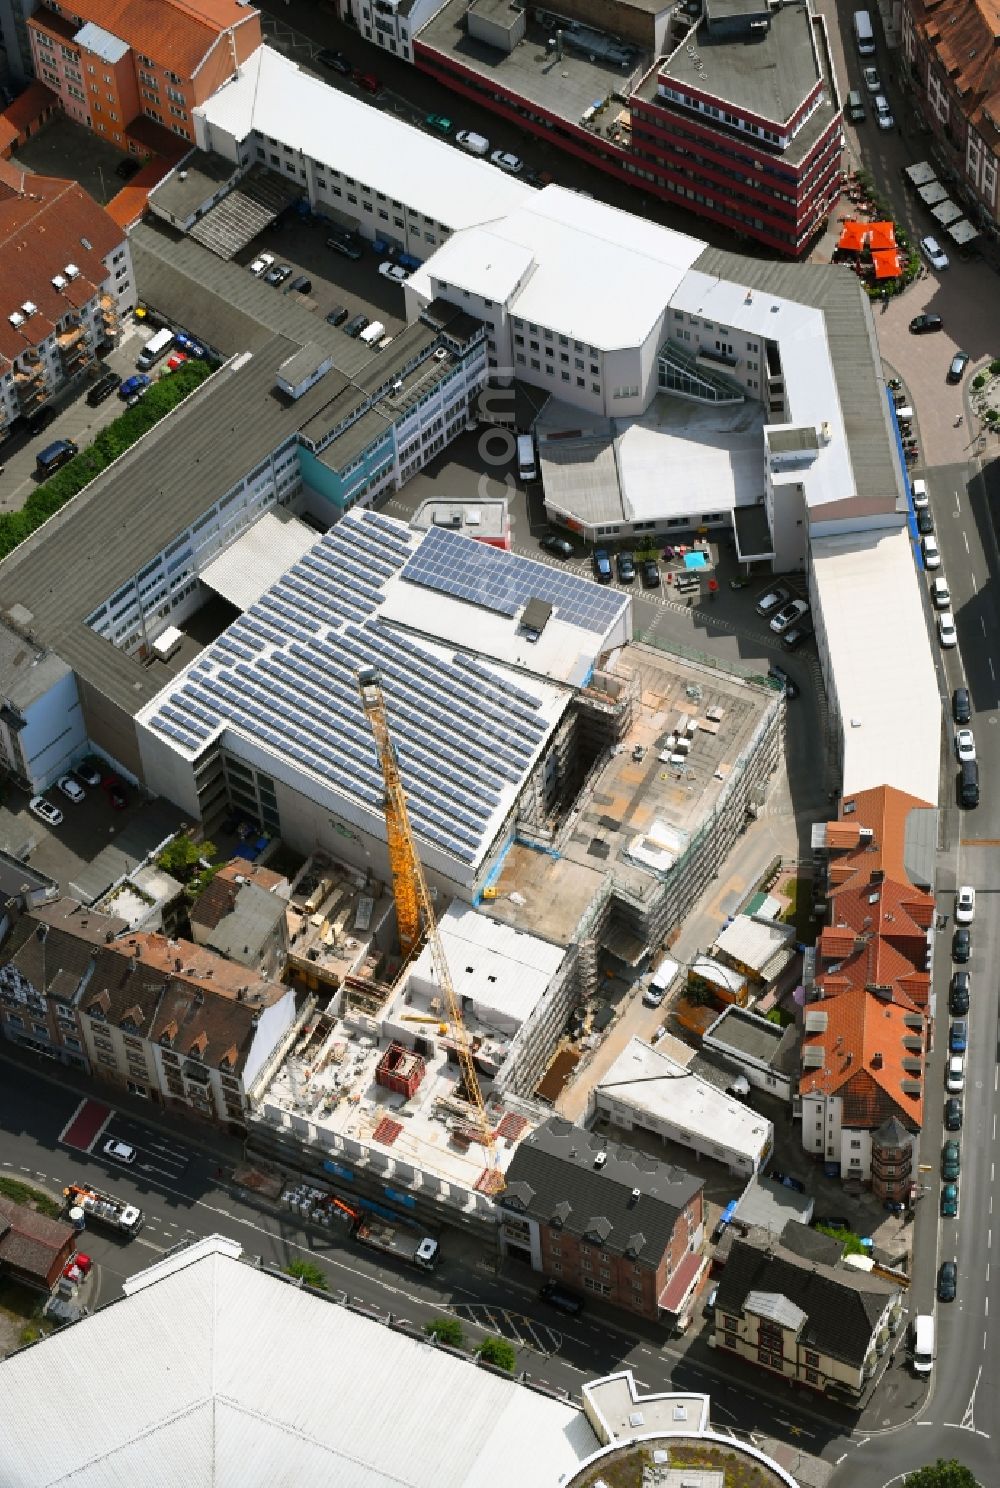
(992, 672)
(975, 586)
(982, 622)
(965, 539)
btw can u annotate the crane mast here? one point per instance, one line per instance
(414, 907)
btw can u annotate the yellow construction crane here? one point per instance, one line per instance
(415, 915)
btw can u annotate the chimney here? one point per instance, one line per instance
(876, 1061)
(636, 1195)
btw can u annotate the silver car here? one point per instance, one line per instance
(45, 811)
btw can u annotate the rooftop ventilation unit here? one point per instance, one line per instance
(71, 271)
(440, 354)
(29, 307)
(16, 319)
(58, 282)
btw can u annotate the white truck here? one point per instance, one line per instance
(406, 1245)
(84, 1202)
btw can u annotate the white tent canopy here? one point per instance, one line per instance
(920, 174)
(932, 193)
(946, 212)
(962, 231)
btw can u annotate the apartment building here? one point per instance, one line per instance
(734, 116)
(112, 63)
(65, 280)
(866, 1021)
(164, 1019)
(819, 1325)
(952, 52)
(241, 915)
(604, 1219)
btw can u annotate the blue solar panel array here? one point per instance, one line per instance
(503, 582)
(285, 674)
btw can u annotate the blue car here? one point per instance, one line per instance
(602, 566)
(958, 1038)
(133, 386)
(188, 344)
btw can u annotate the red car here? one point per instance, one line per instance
(177, 360)
(368, 82)
(77, 1267)
(116, 792)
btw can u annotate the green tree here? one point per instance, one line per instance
(308, 1272)
(941, 1474)
(446, 1330)
(181, 855)
(500, 1353)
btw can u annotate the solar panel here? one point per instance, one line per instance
(504, 582)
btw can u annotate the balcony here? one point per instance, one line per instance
(108, 307)
(30, 385)
(75, 347)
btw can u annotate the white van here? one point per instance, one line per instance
(661, 981)
(864, 36)
(372, 333)
(920, 501)
(476, 144)
(156, 347)
(923, 1343)
(526, 467)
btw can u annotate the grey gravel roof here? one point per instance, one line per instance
(553, 1176)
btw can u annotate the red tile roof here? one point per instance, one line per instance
(176, 35)
(864, 1053)
(29, 106)
(129, 204)
(964, 35)
(45, 224)
(31, 1243)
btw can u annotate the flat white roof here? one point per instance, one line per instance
(881, 660)
(258, 558)
(715, 456)
(230, 1392)
(809, 380)
(755, 941)
(272, 95)
(503, 971)
(651, 1082)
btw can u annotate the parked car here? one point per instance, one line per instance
(925, 521)
(367, 82)
(920, 324)
(788, 615)
(793, 637)
(953, 1113)
(772, 599)
(440, 122)
(649, 571)
(957, 366)
(512, 164)
(872, 81)
(302, 284)
(947, 1281)
(77, 1267)
(354, 327)
(134, 386)
(476, 144)
(278, 274)
(832, 1222)
(919, 489)
(932, 251)
(87, 773)
(959, 993)
(177, 360)
(336, 61)
(965, 749)
(45, 811)
(961, 706)
(965, 898)
(947, 634)
(394, 272)
(337, 315)
(346, 244)
(776, 673)
(931, 552)
(559, 547)
(70, 788)
(115, 792)
(961, 944)
(954, 1080)
(120, 1151)
(883, 113)
(103, 388)
(949, 1200)
(710, 1302)
(958, 1037)
(602, 566)
(261, 264)
(940, 594)
(556, 1295)
(189, 344)
(786, 1181)
(625, 564)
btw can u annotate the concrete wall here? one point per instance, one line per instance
(55, 734)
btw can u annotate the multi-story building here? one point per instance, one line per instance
(603, 1219)
(65, 280)
(15, 39)
(819, 1325)
(952, 51)
(111, 62)
(861, 1091)
(241, 914)
(165, 1019)
(734, 116)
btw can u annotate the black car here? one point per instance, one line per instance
(345, 243)
(649, 571)
(961, 944)
(923, 323)
(336, 61)
(957, 366)
(786, 1181)
(959, 996)
(961, 707)
(559, 547)
(561, 1297)
(278, 274)
(777, 675)
(772, 599)
(356, 326)
(947, 1282)
(337, 315)
(925, 522)
(795, 635)
(38, 421)
(302, 285)
(126, 169)
(625, 564)
(953, 1113)
(103, 388)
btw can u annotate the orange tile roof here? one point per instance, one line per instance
(45, 224)
(965, 35)
(128, 205)
(36, 100)
(864, 1060)
(884, 811)
(175, 33)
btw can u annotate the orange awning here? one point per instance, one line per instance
(887, 264)
(881, 235)
(852, 237)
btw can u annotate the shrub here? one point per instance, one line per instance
(308, 1272)
(994, 367)
(499, 1353)
(979, 380)
(446, 1330)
